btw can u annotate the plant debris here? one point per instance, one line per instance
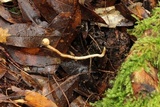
(63, 53)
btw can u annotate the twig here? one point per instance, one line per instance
(11, 101)
(46, 43)
(95, 42)
(85, 104)
(71, 78)
(10, 58)
(61, 90)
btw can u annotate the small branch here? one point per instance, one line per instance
(61, 90)
(46, 43)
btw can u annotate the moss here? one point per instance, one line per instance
(145, 50)
(149, 23)
(15, 10)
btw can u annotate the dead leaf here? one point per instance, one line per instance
(61, 21)
(24, 29)
(32, 51)
(143, 81)
(91, 15)
(32, 60)
(3, 97)
(149, 4)
(3, 35)
(29, 11)
(18, 90)
(79, 102)
(62, 5)
(4, 13)
(45, 9)
(30, 81)
(111, 16)
(53, 91)
(138, 10)
(153, 3)
(35, 99)
(123, 9)
(73, 67)
(4, 24)
(5, 1)
(3, 68)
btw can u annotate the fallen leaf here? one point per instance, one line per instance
(35, 99)
(45, 9)
(28, 11)
(79, 102)
(3, 69)
(30, 81)
(144, 81)
(5, 1)
(32, 60)
(111, 16)
(4, 13)
(3, 35)
(138, 10)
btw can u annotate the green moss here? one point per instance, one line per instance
(15, 10)
(145, 50)
(149, 23)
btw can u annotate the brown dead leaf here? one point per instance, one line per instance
(138, 10)
(62, 5)
(52, 91)
(45, 9)
(153, 3)
(123, 9)
(4, 13)
(18, 90)
(5, 1)
(31, 50)
(32, 60)
(79, 102)
(3, 97)
(61, 21)
(144, 81)
(3, 23)
(28, 10)
(35, 99)
(3, 69)
(150, 4)
(3, 35)
(30, 81)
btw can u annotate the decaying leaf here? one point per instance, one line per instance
(28, 10)
(3, 69)
(3, 97)
(5, 1)
(138, 10)
(46, 10)
(144, 81)
(3, 35)
(32, 60)
(91, 15)
(4, 13)
(152, 3)
(30, 65)
(111, 16)
(35, 99)
(30, 81)
(79, 102)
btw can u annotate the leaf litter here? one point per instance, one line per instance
(35, 76)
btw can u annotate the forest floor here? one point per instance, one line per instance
(86, 42)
